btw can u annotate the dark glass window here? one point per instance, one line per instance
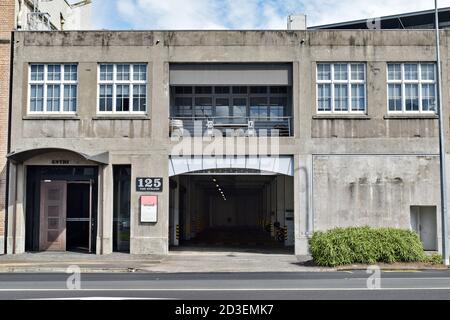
(183, 107)
(222, 90)
(258, 108)
(121, 208)
(203, 90)
(278, 90)
(203, 107)
(240, 90)
(258, 90)
(183, 90)
(222, 110)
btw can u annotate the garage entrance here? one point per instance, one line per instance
(238, 209)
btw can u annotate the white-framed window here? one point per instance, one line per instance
(122, 88)
(52, 88)
(341, 88)
(411, 87)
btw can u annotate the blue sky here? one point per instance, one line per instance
(240, 14)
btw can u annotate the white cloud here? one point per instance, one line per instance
(242, 14)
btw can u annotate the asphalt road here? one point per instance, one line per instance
(229, 286)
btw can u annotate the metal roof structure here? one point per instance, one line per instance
(412, 20)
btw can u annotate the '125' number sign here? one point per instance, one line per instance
(149, 184)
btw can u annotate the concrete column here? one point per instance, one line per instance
(11, 208)
(303, 219)
(98, 243)
(150, 238)
(107, 214)
(20, 210)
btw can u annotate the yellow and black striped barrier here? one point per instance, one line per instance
(177, 231)
(285, 230)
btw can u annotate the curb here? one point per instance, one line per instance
(400, 269)
(64, 270)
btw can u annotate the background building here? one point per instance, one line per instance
(411, 20)
(28, 15)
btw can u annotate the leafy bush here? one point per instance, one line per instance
(435, 258)
(365, 245)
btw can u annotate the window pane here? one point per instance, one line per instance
(203, 90)
(324, 71)
(53, 98)
(239, 110)
(395, 71)
(428, 97)
(70, 72)
(412, 97)
(279, 90)
(183, 90)
(340, 71)
(53, 72)
(240, 90)
(37, 72)
(358, 97)
(357, 71)
(106, 72)
(258, 107)
(106, 96)
(37, 98)
(123, 98)
(258, 90)
(277, 107)
(395, 97)
(123, 72)
(222, 90)
(427, 71)
(139, 97)
(70, 98)
(203, 107)
(140, 72)
(324, 97)
(222, 110)
(183, 107)
(340, 97)
(411, 71)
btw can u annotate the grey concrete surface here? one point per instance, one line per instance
(182, 261)
(235, 286)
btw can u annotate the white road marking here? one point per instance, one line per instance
(219, 290)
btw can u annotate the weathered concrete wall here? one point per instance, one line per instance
(372, 190)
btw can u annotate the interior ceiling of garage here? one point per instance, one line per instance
(229, 183)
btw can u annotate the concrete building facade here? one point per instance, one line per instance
(101, 123)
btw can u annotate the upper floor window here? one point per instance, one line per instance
(411, 87)
(341, 88)
(53, 88)
(122, 88)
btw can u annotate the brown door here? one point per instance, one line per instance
(53, 216)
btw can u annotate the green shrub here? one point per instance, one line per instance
(365, 245)
(435, 258)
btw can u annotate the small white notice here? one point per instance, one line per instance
(149, 209)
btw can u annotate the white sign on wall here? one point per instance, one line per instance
(149, 209)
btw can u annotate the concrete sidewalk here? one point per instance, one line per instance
(176, 262)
